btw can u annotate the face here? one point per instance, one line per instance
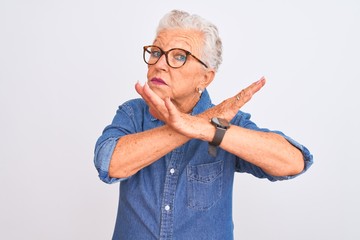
(179, 84)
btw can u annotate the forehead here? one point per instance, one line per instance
(190, 40)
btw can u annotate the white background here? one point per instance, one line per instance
(66, 65)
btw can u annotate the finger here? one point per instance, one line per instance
(176, 119)
(139, 88)
(173, 111)
(155, 103)
(256, 86)
(145, 94)
(152, 97)
(246, 94)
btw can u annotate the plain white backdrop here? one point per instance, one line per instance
(66, 65)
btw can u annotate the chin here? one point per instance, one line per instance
(161, 93)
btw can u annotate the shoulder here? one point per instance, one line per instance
(131, 115)
(133, 107)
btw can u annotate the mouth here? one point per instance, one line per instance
(158, 81)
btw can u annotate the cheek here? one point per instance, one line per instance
(194, 78)
(187, 81)
(149, 72)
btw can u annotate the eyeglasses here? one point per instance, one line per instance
(175, 57)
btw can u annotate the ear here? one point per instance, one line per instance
(208, 78)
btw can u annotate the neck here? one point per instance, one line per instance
(187, 105)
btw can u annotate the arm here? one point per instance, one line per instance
(269, 151)
(128, 156)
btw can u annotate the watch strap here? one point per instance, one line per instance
(221, 125)
(219, 135)
(212, 150)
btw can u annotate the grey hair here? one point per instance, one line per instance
(212, 46)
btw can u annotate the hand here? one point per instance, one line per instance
(167, 112)
(229, 107)
(193, 126)
(156, 104)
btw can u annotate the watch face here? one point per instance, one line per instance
(221, 122)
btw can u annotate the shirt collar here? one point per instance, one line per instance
(203, 104)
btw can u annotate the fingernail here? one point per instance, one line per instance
(261, 79)
(141, 82)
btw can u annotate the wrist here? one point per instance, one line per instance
(221, 126)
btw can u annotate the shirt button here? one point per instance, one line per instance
(172, 171)
(167, 207)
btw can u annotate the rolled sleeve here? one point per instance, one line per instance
(123, 123)
(243, 120)
(103, 153)
(307, 156)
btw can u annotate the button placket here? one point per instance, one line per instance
(171, 179)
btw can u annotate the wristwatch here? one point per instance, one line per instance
(221, 126)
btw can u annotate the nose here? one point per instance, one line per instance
(161, 63)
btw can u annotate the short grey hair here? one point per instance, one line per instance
(212, 46)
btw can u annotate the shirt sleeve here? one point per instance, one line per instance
(103, 153)
(244, 166)
(122, 124)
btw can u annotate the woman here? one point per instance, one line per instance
(176, 153)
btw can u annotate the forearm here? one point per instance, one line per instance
(269, 151)
(136, 151)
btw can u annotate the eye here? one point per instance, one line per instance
(180, 57)
(155, 53)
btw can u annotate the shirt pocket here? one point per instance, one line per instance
(204, 184)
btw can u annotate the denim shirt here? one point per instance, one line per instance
(187, 194)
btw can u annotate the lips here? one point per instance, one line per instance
(158, 81)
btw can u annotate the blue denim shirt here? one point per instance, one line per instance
(187, 194)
